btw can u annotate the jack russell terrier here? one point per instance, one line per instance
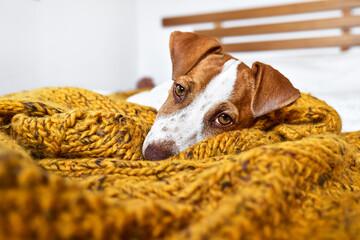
(211, 93)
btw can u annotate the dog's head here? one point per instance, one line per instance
(212, 93)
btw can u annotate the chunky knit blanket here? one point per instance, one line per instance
(71, 168)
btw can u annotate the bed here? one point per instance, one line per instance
(71, 165)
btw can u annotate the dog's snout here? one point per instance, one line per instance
(159, 151)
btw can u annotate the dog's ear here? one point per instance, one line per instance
(271, 90)
(187, 49)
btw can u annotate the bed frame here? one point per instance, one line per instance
(345, 23)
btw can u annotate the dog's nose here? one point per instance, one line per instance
(160, 151)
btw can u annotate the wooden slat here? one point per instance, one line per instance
(343, 22)
(346, 29)
(340, 41)
(262, 12)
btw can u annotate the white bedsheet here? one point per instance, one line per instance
(347, 105)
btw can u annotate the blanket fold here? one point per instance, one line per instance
(71, 167)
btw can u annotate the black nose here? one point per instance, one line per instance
(160, 151)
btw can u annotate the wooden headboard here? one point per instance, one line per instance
(345, 22)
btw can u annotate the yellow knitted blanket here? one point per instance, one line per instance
(71, 168)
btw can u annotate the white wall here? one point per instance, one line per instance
(109, 44)
(84, 43)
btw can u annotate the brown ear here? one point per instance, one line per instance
(187, 49)
(272, 90)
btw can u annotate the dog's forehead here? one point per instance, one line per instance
(208, 68)
(220, 87)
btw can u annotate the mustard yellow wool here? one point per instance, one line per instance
(71, 167)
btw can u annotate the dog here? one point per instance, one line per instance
(211, 93)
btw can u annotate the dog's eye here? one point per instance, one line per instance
(223, 119)
(179, 90)
(179, 93)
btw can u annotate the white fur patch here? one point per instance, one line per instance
(185, 126)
